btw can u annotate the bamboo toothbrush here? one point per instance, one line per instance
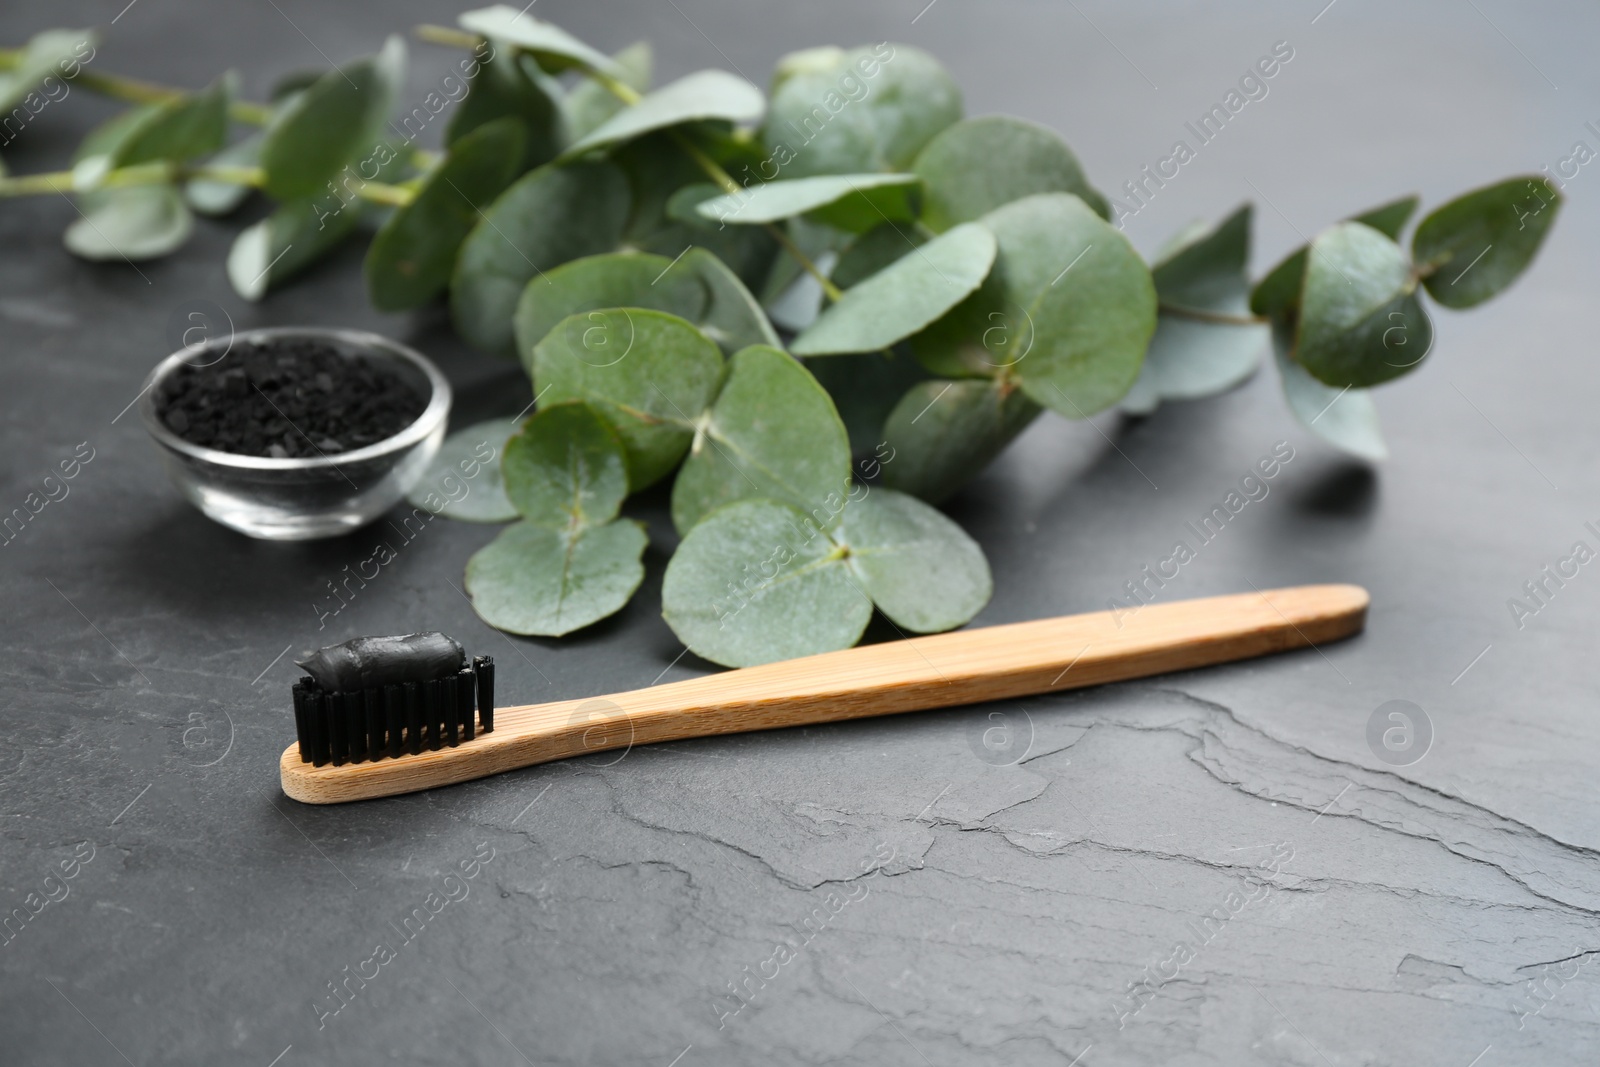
(369, 727)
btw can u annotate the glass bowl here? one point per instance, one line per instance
(303, 499)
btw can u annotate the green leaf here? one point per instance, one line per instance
(977, 165)
(649, 373)
(875, 250)
(1278, 294)
(1200, 281)
(943, 433)
(566, 468)
(773, 432)
(551, 45)
(919, 568)
(756, 582)
(211, 197)
(286, 242)
(466, 475)
(1345, 418)
(590, 103)
(1068, 309)
(535, 580)
(849, 112)
(181, 129)
(1391, 218)
(732, 316)
(697, 286)
(706, 94)
(335, 121)
(854, 202)
(595, 283)
(129, 223)
(1360, 323)
(510, 84)
(1478, 244)
(52, 53)
(905, 296)
(413, 256)
(546, 218)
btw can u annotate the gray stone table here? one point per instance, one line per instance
(875, 892)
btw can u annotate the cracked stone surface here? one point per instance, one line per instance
(1211, 868)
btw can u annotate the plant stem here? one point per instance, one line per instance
(60, 181)
(445, 35)
(135, 91)
(1219, 317)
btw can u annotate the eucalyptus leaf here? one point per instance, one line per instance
(706, 94)
(977, 165)
(850, 112)
(566, 468)
(546, 218)
(286, 242)
(772, 432)
(755, 582)
(732, 316)
(1197, 351)
(552, 45)
(131, 223)
(875, 250)
(649, 373)
(943, 433)
(919, 568)
(464, 479)
(188, 126)
(540, 581)
(1068, 309)
(1345, 418)
(52, 53)
(1473, 247)
(595, 283)
(413, 256)
(1360, 323)
(904, 297)
(590, 103)
(697, 286)
(854, 202)
(1278, 294)
(510, 84)
(333, 122)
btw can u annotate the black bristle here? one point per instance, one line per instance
(452, 710)
(372, 699)
(433, 702)
(317, 724)
(394, 710)
(465, 694)
(338, 743)
(483, 667)
(355, 724)
(413, 717)
(301, 729)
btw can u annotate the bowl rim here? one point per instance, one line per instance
(434, 414)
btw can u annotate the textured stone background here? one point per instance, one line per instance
(1004, 909)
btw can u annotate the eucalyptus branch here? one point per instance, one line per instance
(161, 173)
(135, 91)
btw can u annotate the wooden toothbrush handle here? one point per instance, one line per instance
(940, 670)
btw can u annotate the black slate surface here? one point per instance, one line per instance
(872, 892)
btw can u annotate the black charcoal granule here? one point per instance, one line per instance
(293, 398)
